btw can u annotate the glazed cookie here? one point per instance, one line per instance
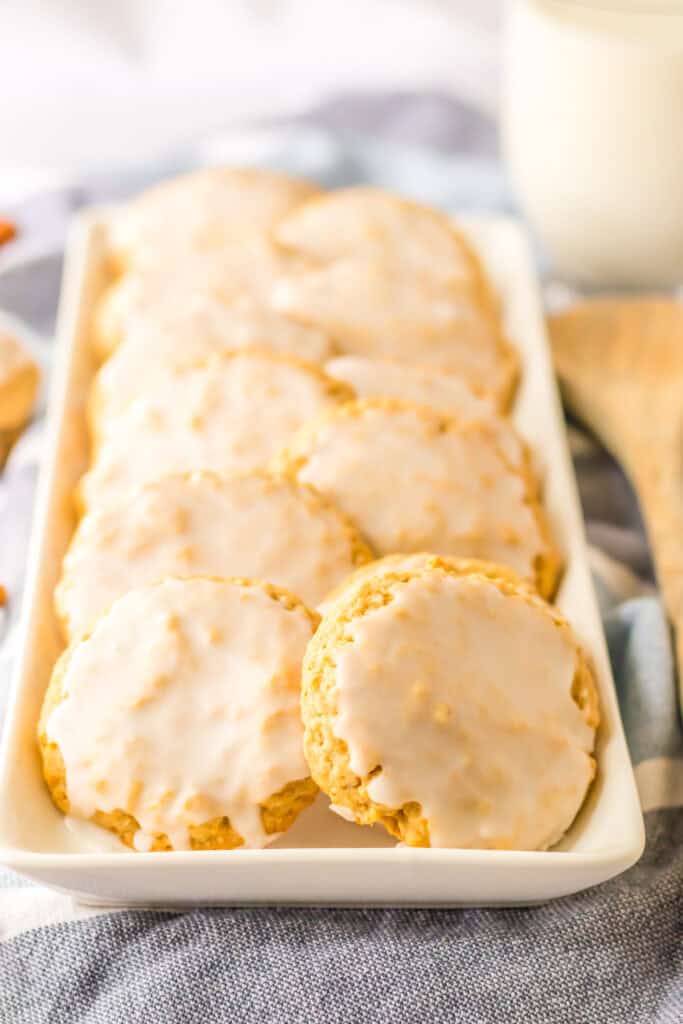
(191, 329)
(446, 392)
(229, 414)
(453, 706)
(369, 222)
(244, 272)
(202, 210)
(379, 309)
(174, 725)
(414, 480)
(201, 524)
(418, 561)
(390, 278)
(19, 378)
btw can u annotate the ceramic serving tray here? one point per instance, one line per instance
(322, 859)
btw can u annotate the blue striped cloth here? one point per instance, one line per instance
(612, 954)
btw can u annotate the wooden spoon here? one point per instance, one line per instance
(620, 364)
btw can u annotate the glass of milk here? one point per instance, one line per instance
(592, 126)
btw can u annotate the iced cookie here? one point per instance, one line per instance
(174, 725)
(238, 273)
(378, 309)
(190, 330)
(202, 210)
(418, 561)
(446, 392)
(369, 222)
(453, 706)
(389, 278)
(230, 414)
(19, 379)
(414, 480)
(201, 524)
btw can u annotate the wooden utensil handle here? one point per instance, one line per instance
(657, 476)
(620, 364)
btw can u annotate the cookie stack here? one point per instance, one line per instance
(301, 394)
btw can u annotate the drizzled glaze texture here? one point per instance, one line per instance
(190, 329)
(379, 309)
(390, 278)
(446, 392)
(243, 272)
(230, 414)
(200, 211)
(175, 724)
(413, 480)
(452, 706)
(417, 562)
(371, 222)
(201, 524)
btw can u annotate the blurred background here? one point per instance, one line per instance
(89, 83)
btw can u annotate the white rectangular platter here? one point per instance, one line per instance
(322, 859)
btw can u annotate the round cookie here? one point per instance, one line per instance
(201, 524)
(174, 725)
(380, 309)
(367, 221)
(418, 561)
(446, 392)
(237, 273)
(390, 278)
(414, 480)
(230, 414)
(190, 330)
(19, 379)
(453, 706)
(202, 210)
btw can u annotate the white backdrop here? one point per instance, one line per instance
(99, 81)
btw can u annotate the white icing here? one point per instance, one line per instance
(234, 273)
(410, 485)
(202, 210)
(463, 696)
(143, 841)
(385, 378)
(230, 415)
(89, 836)
(204, 525)
(381, 309)
(189, 330)
(342, 812)
(446, 392)
(386, 277)
(408, 563)
(370, 222)
(178, 712)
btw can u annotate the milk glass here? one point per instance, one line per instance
(592, 127)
